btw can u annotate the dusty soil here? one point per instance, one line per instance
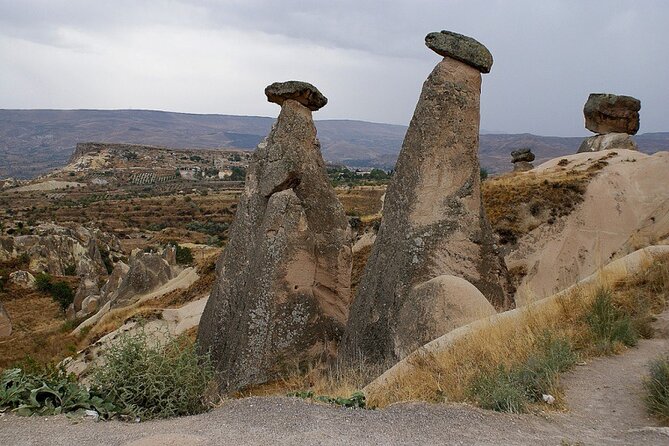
(604, 400)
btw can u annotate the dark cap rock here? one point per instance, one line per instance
(522, 155)
(610, 113)
(462, 48)
(303, 92)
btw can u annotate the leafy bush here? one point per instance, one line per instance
(207, 227)
(657, 388)
(609, 325)
(60, 291)
(70, 270)
(154, 379)
(47, 390)
(184, 255)
(510, 389)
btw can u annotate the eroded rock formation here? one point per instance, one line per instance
(434, 226)
(614, 118)
(283, 287)
(522, 160)
(5, 323)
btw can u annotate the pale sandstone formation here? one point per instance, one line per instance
(146, 271)
(23, 279)
(433, 221)
(5, 323)
(283, 287)
(52, 249)
(394, 377)
(610, 113)
(626, 206)
(618, 141)
(439, 305)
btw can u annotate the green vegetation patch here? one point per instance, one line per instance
(657, 388)
(150, 379)
(60, 291)
(357, 400)
(512, 389)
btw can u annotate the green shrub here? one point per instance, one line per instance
(60, 291)
(47, 390)
(70, 270)
(511, 389)
(609, 325)
(154, 379)
(657, 388)
(184, 255)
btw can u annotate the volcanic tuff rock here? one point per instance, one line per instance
(433, 224)
(147, 271)
(618, 141)
(462, 48)
(610, 113)
(52, 249)
(302, 92)
(283, 287)
(5, 323)
(23, 279)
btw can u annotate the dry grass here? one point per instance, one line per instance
(361, 200)
(449, 374)
(37, 328)
(518, 203)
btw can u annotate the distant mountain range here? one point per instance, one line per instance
(32, 142)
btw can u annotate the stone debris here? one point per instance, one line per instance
(434, 230)
(283, 288)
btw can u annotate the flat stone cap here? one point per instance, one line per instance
(303, 92)
(462, 48)
(522, 155)
(611, 113)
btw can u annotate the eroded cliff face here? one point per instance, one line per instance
(283, 287)
(433, 225)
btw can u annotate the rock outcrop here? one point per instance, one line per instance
(54, 249)
(522, 160)
(610, 141)
(283, 287)
(23, 279)
(433, 225)
(146, 272)
(610, 113)
(5, 323)
(614, 118)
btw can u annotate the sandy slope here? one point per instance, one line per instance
(626, 206)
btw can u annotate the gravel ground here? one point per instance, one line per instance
(603, 398)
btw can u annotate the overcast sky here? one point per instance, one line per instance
(367, 57)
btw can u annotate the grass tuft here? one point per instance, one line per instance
(657, 388)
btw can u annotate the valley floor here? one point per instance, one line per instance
(604, 399)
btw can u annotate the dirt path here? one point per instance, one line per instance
(604, 398)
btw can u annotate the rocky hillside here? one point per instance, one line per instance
(34, 141)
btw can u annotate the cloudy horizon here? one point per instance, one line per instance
(368, 58)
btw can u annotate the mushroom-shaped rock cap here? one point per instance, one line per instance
(303, 92)
(462, 48)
